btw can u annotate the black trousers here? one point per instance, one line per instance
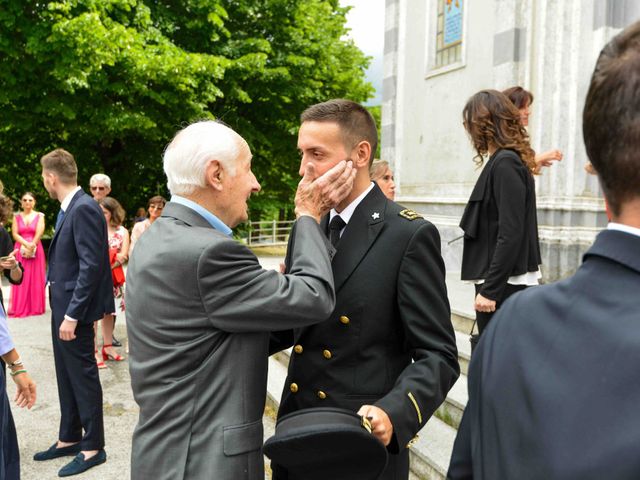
(9, 453)
(79, 388)
(483, 318)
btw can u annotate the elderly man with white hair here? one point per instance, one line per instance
(100, 186)
(200, 309)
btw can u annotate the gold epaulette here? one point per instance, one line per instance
(409, 214)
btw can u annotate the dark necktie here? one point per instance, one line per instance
(59, 219)
(336, 225)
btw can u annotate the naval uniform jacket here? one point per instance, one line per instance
(559, 400)
(389, 342)
(500, 225)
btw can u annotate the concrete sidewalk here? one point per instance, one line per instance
(38, 428)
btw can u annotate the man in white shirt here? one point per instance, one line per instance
(551, 386)
(80, 288)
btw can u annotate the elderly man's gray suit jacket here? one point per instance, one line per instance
(199, 309)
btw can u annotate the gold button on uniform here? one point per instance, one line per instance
(298, 349)
(321, 395)
(293, 387)
(326, 354)
(344, 320)
(413, 441)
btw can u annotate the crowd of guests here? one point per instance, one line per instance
(28, 225)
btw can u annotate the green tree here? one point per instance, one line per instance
(376, 113)
(112, 81)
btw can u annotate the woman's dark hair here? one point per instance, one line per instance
(491, 119)
(115, 209)
(6, 208)
(519, 96)
(157, 199)
(611, 118)
(30, 194)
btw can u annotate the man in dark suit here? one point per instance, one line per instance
(388, 349)
(79, 288)
(552, 391)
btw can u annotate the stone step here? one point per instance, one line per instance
(462, 320)
(464, 351)
(461, 295)
(431, 453)
(275, 380)
(453, 407)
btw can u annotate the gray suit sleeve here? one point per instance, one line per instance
(240, 296)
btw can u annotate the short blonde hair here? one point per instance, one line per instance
(378, 167)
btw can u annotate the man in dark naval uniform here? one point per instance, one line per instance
(388, 349)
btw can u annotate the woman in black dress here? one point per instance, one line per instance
(501, 252)
(11, 269)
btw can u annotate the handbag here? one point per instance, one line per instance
(24, 253)
(473, 337)
(117, 273)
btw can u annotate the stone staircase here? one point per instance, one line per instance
(431, 454)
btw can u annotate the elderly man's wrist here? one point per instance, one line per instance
(306, 213)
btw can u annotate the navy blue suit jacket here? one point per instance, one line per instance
(553, 390)
(79, 269)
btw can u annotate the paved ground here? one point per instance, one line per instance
(38, 427)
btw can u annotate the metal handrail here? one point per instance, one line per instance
(269, 232)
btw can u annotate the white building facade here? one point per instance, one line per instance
(440, 52)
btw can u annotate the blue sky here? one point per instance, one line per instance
(366, 20)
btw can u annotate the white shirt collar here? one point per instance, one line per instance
(347, 213)
(624, 228)
(67, 200)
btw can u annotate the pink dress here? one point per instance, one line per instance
(28, 298)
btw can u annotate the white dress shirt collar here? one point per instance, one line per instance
(347, 213)
(624, 228)
(67, 200)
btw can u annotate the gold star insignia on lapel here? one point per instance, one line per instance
(375, 215)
